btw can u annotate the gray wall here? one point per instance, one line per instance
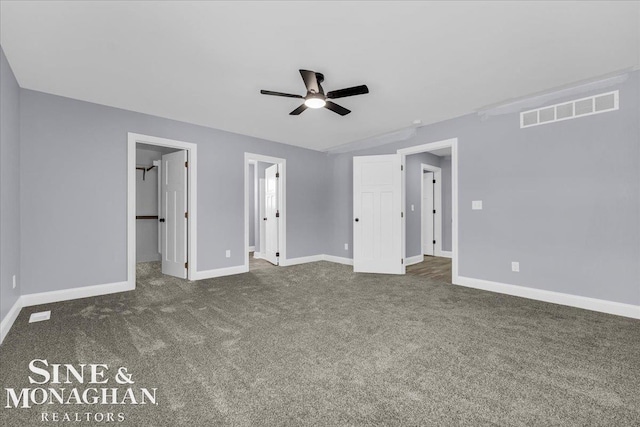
(563, 199)
(9, 187)
(147, 204)
(74, 213)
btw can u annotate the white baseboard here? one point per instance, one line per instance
(445, 254)
(252, 248)
(338, 259)
(219, 272)
(11, 317)
(603, 306)
(75, 293)
(258, 255)
(301, 260)
(414, 260)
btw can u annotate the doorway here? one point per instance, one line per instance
(431, 209)
(175, 213)
(449, 150)
(265, 212)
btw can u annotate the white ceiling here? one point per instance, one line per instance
(205, 62)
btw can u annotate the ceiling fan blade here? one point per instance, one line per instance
(310, 80)
(298, 110)
(336, 108)
(350, 91)
(288, 95)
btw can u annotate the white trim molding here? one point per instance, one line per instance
(445, 254)
(603, 306)
(220, 272)
(338, 259)
(413, 260)
(301, 260)
(10, 318)
(252, 248)
(192, 200)
(75, 293)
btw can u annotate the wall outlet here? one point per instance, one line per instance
(228, 253)
(346, 246)
(515, 266)
(413, 208)
(476, 205)
(14, 281)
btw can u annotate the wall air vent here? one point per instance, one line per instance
(570, 110)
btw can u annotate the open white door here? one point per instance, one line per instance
(271, 216)
(428, 217)
(262, 217)
(378, 216)
(173, 214)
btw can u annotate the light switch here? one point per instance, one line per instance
(515, 266)
(476, 205)
(228, 253)
(413, 208)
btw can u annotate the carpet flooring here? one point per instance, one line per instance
(317, 344)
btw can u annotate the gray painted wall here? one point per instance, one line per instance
(147, 204)
(74, 213)
(563, 199)
(9, 187)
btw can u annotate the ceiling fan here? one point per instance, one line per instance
(316, 97)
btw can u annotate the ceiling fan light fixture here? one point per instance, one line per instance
(314, 102)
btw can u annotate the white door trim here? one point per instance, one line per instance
(192, 201)
(453, 144)
(282, 203)
(437, 196)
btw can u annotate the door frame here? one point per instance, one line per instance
(282, 187)
(192, 202)
(437, 201)
(425, 148)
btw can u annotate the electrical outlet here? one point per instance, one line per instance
(228, 253)
(413, 208)
(14, 281)
(346, 246)
(476, 205)
(515, 266)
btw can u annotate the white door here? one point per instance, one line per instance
(263, 220)
(378, 216)
(428, 218)
(271, 214)
(173, 214)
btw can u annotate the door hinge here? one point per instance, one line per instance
(434, 242)
(186, 214)
(277, 174)
(401, 167)
(186, 265)
(186, 164)
(434, 211)
(277, 214)
(434, 181)
(401, 214)
(277, 254)
(401, 261)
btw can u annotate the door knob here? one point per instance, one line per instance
(161, 220)
(264, 219)
(357, 219)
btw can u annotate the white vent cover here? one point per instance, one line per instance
(570, 110)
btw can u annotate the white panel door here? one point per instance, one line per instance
(377, 211)
(428, 218)
(263, 219)
(174, 207)
(271, 215)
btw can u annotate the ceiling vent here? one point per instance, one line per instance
(570, 110)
